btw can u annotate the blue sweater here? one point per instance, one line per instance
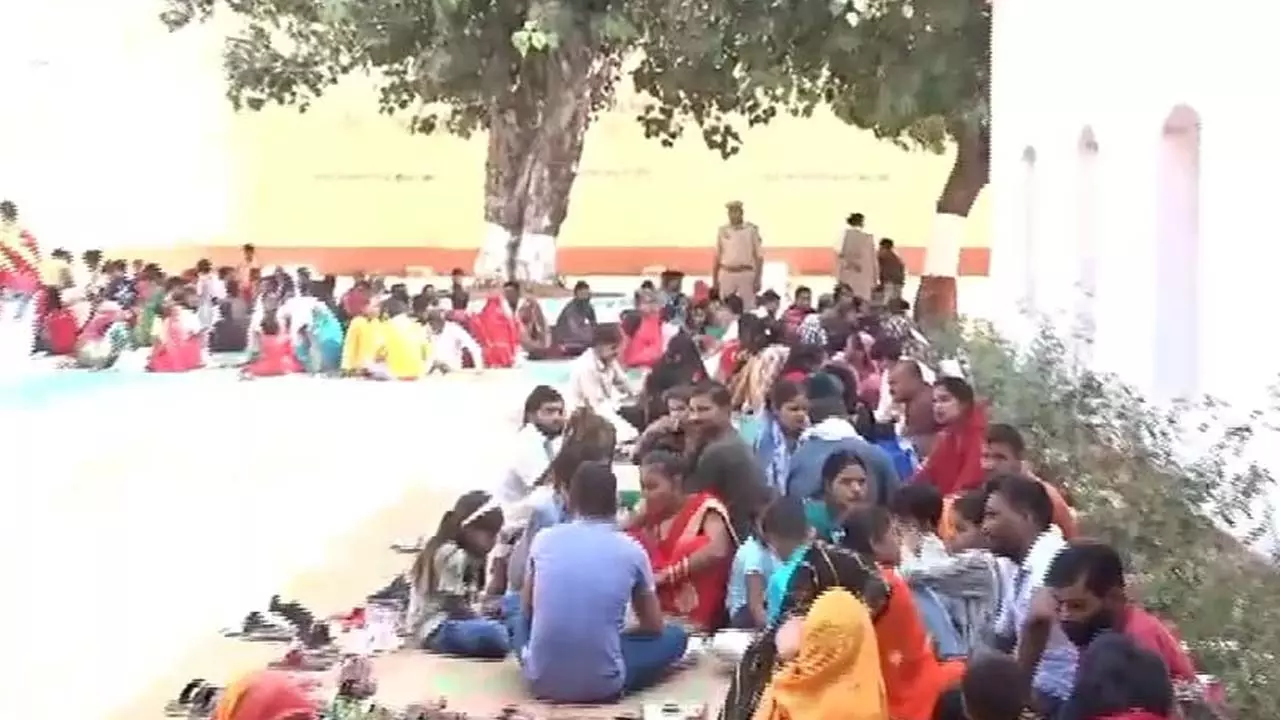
(804, 477)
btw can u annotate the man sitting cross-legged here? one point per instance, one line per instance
(581, 576)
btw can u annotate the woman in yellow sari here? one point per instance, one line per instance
(831, 665)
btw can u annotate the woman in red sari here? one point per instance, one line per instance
(689, 541)
(275, 352)
(955, 463)
(498, 333)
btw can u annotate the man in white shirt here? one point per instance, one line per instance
(598, 381)
(535, 444)
(448, 341)
(1018, 525)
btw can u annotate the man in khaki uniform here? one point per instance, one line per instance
(856, 262)
(739, 259)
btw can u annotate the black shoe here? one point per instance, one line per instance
(397, 590)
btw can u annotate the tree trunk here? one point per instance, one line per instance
(936, 298)
(535, 145)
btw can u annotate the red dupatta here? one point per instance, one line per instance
(699, 599)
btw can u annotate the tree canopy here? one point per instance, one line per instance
(911, 71)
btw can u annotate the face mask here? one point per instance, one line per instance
(1083, 632)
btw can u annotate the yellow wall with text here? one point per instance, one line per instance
(342, 175)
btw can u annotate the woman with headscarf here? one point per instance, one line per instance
(680, 365)
(809, 569)
(265, 695)
(830, 665)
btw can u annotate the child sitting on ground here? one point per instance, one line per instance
(753, 565)
(447, 579)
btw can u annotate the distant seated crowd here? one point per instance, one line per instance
(828, 506)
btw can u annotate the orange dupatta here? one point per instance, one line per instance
(698, 599)
(913, 677)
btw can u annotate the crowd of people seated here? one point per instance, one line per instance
(832, 509)
(102, 313)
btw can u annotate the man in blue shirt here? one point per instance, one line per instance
(580, 579)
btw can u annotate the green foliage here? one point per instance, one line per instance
(1130, 470)
(912, 71)
(449, 62)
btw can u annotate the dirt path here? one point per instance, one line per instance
(357, 564)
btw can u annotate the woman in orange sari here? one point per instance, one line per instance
(689, 541)
(914, 678)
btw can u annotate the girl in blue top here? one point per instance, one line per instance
(844, 487)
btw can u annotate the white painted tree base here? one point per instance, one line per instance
(942, 258)
(491, 261)
(535, 257)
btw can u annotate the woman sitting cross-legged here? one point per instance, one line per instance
(581, 577)
(689, 541)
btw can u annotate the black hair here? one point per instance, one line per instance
(919, 502)
(593, 490)
(1097, 563)
(450, 530)
(394, 306)
(865, 526)
(680, 364)
(1024, 495)
(714, 391)
(971, 506)
(270, 324)
(783, 392)
(1115, 675)
(769, 296)
(588, 437)
(959, 389)
(753, 336)
(1007, 435)
(950, 705)
(835, 463)
(803, 357)
(734, 304)
(203, 265)
(539, 396)
(248, 248)
(581, 285)
(856, 219)
(456, 272)
(785, 518)
(511, 285)
(802, 289)
(670, 464)
(886, 243)
(995, 687)
(885, 348)
(8, 210)
(605, 335)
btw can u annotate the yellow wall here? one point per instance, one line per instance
(342, 175)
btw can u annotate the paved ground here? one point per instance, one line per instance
(136, 540)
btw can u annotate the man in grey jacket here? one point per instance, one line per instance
(832, 430)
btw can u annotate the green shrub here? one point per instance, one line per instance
(1184, 520)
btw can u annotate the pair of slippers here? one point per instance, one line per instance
(197, 699)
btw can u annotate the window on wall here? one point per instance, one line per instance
(1029, 201)
(1177, 255)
